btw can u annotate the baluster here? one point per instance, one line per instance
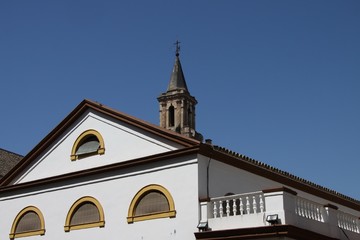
(304, 208)
(241, 207)
(318, 217)
(234, 207)
(215, 210)
(311, 211)
(261, 203)
(344, 221)
(322, 214)
(227, 208)
(307, 209)
(353, 225)
(301, 209)
(247, 205)
(341, 220)
(254, 205)
(221, 210)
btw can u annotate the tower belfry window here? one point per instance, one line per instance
(171, 116)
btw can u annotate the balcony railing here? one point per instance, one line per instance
(239, 204)
(252, 210)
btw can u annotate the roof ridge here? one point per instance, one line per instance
(284, 173)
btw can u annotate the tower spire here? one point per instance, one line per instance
(177, 79)
(177, 106)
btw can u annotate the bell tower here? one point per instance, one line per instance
(177, 106)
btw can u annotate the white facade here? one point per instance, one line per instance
(229, 194)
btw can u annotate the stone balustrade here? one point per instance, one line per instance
(252, 209)
(238, 204)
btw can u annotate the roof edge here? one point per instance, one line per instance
(170, 155)
(73, 115)
(264, 232)
(272, 173)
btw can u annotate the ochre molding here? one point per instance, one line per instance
(140, 194)
(101, 223)
(18, 217)
(83, 136)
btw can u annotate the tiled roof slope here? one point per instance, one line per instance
(7, 161)
(284, 173)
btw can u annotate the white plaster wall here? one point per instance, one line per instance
(225, 179)
(122, 143)
(115, 195)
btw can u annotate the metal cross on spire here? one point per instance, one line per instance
(177, 44)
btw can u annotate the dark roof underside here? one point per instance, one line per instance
(267, 232)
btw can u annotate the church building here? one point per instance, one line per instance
(103, 174)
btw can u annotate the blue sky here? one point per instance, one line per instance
(275, 80)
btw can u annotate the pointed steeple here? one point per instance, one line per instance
(177, 106)
(177, 79)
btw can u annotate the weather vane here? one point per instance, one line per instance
(177, 44)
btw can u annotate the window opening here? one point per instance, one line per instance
(28, 222)
(87, 144)
(85, 213)
(152, 201)
(171, 116)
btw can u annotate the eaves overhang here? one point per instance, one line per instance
(266, 232)
(256, 167)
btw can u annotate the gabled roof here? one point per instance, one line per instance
(214, 152)
(256, 167)
(84, 106)
(191, 146)
(7, 161)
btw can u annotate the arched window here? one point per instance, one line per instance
(85, 213)
(88, 143)
(28, 222)
(171, 116)
(152, 201)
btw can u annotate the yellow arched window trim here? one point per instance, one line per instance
(74, 207)
(40, 231)
(79, 140)
(153, 187)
